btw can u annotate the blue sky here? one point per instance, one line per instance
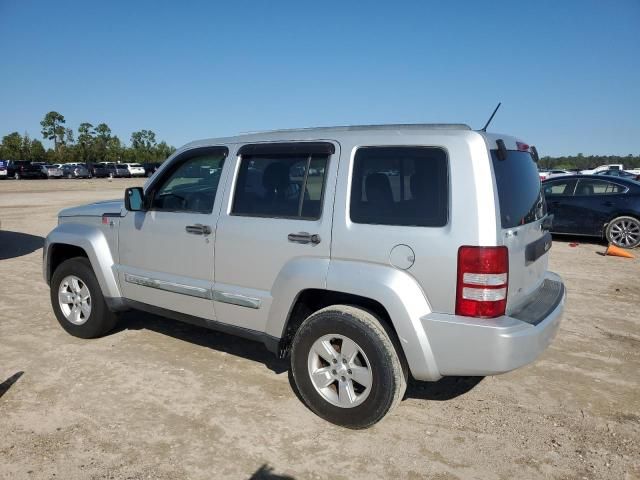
(567, 72)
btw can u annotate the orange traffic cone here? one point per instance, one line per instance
(618, 252)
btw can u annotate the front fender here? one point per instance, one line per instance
(403, 299)
(92, 240)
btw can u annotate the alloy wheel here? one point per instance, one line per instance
(74, 299)
(625, 232)
(340, 371)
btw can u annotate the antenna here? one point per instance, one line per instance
(484, 129)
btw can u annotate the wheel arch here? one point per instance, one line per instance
(70, 240)
(392, 295)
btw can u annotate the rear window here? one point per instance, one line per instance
(518, 184)
(404, 186)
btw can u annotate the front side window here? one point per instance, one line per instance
(280, 185)
(598, 187)
(563, 187)
(405, 186)
(191, 184)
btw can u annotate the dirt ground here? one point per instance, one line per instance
(163, 400)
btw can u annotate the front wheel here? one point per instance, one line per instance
(77, 300)
(346, 367)
(624, 232)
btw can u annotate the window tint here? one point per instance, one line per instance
(597, 187)
(564, 187)
(190, 185)
(280, 185)
(519, 192)
(407, 186)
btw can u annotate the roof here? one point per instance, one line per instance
(330, 132)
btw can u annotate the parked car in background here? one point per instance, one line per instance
(150, 168)
(48, 170)
(23, 169)
(135, 169)
(620, 173)
(116, 170)
(543, 174)
(75, 171)
(603, 168)
(558, 173)
(3, 169)
(595, 205)
(98, 170)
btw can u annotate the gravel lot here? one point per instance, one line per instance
(159, 399)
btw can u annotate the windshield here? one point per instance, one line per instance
(518, 184)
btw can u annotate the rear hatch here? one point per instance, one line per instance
(522, 215)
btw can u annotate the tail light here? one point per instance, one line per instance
(483, 277)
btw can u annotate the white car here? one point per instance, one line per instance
(3, 169)
(135, 169)
(558, 173)
(603, 168)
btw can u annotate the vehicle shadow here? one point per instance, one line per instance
(17, 244)
(265, 472)
(446, 388)
(204, 337)
(8, 383)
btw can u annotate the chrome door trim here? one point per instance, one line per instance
(200, 292)
(236, 299)
(169, 286)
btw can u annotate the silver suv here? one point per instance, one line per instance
(363, 254)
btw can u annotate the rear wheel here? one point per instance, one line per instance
(77, 300)
(16, 176)
(624, 232)
(346, 367)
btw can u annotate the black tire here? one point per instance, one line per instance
(100, 320)
(633, 227)
(389, 377)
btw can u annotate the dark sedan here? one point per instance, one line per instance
(596, 206)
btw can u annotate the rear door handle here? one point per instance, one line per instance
(304, 237)
(607, 204)
(198, 229)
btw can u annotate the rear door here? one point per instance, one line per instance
(276, 217)
(594, 202)
(522, 211)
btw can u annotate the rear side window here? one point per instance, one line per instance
(280, 185)
(598, 187)
(405, 186)
(519, 193)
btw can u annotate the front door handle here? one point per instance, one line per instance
(304, 237)
(198, 229)
(607, 204)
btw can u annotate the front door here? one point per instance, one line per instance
(166, 253)
(558, 194)
(275, 225)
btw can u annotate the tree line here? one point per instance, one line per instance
(584, 162)
(90, 144)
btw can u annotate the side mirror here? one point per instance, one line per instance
(134, 199)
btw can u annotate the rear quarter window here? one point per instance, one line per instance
(403, 186)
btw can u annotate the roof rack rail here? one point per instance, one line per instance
(412, 126)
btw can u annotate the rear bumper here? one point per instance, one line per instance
(470, 346)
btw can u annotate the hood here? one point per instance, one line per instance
(94, 209)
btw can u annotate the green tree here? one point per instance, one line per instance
(102, 134)
(25, 148)
(38, 153)
(52, 128)
(12, 146)
(85, 141)
(143, 143)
